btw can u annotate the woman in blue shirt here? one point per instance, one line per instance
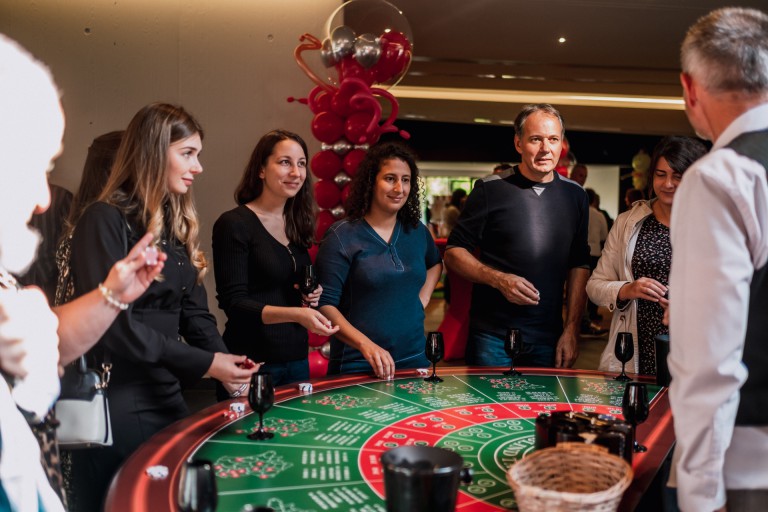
(378, 268)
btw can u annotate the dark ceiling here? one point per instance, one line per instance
(612, 47)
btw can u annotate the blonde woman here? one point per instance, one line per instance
(148, 191)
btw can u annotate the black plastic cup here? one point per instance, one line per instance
(662, 351)
(422, 478)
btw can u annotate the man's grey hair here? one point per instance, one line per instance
(536, 107)
(727, 51)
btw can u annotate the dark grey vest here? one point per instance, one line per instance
(753, 406)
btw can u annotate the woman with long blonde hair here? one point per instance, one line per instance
(148, 191)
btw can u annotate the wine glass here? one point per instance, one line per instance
(308, 282)
(635, 408)
(513, 346)
(624, 349)
(197, 488)
(434, 352)
(261, 396)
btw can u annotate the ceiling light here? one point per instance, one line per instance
(561, 40)
(482, 120)
(555, 98)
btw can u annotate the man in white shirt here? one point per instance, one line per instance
(719, 284)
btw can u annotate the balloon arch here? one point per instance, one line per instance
(366, 49)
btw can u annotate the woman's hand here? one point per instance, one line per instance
(231, 370)
(643, 288)
(313, 299)
(380, 360)
(314, 321)
(130, 277)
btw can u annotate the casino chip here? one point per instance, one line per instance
(157, 472)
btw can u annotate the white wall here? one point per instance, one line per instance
(229, 62)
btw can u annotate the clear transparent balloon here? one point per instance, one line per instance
(380, 38)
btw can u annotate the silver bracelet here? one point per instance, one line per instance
(239, 391)
(110, 298)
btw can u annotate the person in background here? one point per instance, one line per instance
(148, 190)
(579, 174)
(598, 232)
(501, 168)
(452, 211)
(51, 225)
(631, 196)
(531, 228)
(32, 338)
(378, 268)
(719, 282)
(259, 251)
(632, 275)
(608, 218)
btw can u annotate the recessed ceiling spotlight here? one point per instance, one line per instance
(561, 40)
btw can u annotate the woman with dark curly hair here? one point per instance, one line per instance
(259, 249)
(378, 268)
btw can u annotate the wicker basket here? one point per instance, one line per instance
(570, 477)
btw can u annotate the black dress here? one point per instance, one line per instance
(150, 363)
(652, 258)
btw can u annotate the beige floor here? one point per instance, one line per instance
(590, 348)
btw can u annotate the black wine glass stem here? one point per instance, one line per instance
(261, 422)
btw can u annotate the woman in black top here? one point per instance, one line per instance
(147, 192)
(258, 250)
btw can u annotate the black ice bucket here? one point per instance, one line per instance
(422, 478)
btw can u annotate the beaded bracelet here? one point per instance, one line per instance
(111, 300)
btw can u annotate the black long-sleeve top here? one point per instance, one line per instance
(145, 342)
(253, 270)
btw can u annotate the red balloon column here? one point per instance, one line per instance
(347, 106)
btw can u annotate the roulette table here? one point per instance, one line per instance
(327, 444)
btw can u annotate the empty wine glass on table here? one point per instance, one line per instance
(308, 282)
(261, 396)
(635, 409)
(513, 346)
(624, 349)
(434, 351)
(197, 487)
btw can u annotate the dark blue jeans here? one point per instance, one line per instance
(487, 349)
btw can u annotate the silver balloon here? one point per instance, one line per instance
(367, 50)
(341, 179)
(326, 54)
(325, 350)
(364, 147)
(337, 211)
(341, 147)
(342, 42)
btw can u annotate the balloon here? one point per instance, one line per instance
(312, 44)
(337, 212)
(319, 100)
(325, 350)
(325, 164)
(342, 42)
(371, 18)
(318, 365)
(345, 193)
(352, 161)
(315, 340)
(359, 128)
(339, 147)
(326, 54)
(367, 50)
(341, 179)
(395, 58)
(327, 194)
(327, 127)
(313, 252)
(324, 221)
